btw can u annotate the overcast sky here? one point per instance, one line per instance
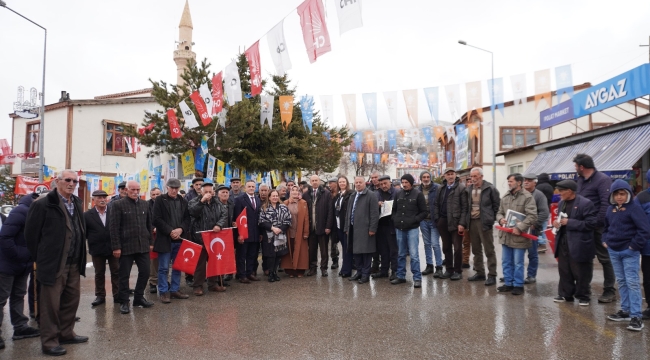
(97, 48)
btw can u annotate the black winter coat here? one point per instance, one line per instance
(130, 226)
(457, 206)
(490, 201)
(98, 234)
(409, 209)
(15, 258)
(205, 216)
(547, 190)
(583, 219)
(162, 220)
(342, 212)
(324, 213)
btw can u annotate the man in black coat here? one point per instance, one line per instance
(172, 222)
(321, 220)
(248, 248)
(56, 231)
(153, 263)
(130, 229)
(544, 185)
(386, 238)
(99, 247)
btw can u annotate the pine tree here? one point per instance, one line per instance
(244, 142)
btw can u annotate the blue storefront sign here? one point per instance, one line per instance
(627, 86)
(619, 174)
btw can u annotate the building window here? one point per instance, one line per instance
(519, 168)
(32, 137)
(514, 137)
(116, 141)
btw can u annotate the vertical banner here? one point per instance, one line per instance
(266, 110)
(453, 100)
(157, 173)
(496, 95)
(174, 128)
(188, 116)
(381, 144)
(564, 82)
(369, 140)
(206, 95)
(254, 68)
(433, 158)
(390, 97)
(543, 87)
(384, 158)
(144, 181)
(203, 152)
(353, 157)
(201, 108)
(314, 29)
(327, 109)
(217, 93)
(392, 140)
(233, 83)
(424, 160)
(451, 134)
(370, 104)
(349, 14)
(286, 109)
(350, 107)
(227, 174)
(278, 49)
(474, 98)
(221, 177)
(519, 93)
(307, 110)
(461, 148)
(172, 168)
(358, 141)
(431, 94)
(376, 159)
(411, 101)
(187, 162)
(428, 137)
(211, 164)
(473, 129)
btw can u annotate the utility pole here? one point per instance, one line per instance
(648, 48)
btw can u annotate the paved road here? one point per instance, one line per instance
(332, 318)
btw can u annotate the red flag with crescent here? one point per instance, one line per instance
(173, 124)
(221, 252)
(242, 224)
(188, 257)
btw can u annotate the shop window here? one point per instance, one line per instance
(32, 136)
(116, 141)
(514, 137)
(519, 168)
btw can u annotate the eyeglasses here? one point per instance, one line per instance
(74, 181)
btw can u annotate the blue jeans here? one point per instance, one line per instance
(407, 244)
(431, 238)
(626, 268)
(533, 260)
(163, 271)
(513, 265)
(541, 239)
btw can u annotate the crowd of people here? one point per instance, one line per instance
(377, 224)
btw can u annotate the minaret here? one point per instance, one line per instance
(184, 51)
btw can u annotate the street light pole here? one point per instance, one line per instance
(494, 132)
(41, 130)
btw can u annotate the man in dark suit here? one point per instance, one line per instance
(248, 248)
(55, 231)
(361, 226)
(321, 220)
(153, 263)
(99, 247)
(172, 222)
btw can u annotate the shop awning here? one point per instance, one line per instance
(613, 154)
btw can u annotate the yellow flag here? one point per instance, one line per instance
(274, 178)
(259, 177)
(187, 160)
(221, 176)
(108, 185)
(144, 181)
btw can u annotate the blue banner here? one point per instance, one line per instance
(556, 115)
(427, 135)
(353, 158)
(201, 154)
(496, 95)
(431, 94)
(425, 159)
(357, 141)
(157, 171)
(307, 109)
(228, 174)
(392, 139)
(376, 158)
(564, 81)
(370, 104)
(400, 158)
(617, 174)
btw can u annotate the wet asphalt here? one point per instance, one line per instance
(333, 318)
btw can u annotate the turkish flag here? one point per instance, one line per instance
(217, 93)
(201, 108)
(188, 257)
(510, 230)
(255, 70)
(242, 224)
(551, 238)
(221, 252)
(174, 129)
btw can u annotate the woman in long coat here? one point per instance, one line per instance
(297, 261)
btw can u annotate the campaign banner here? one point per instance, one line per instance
(556, 115)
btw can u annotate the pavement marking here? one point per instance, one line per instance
(590, 323)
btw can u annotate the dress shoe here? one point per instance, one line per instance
(392, 277)
(242, 280)
(323, 273)
(398, 281)
(379, 275)
(77, 339)
(530, 280)
(517, 290)
(311, 272)
(446, 275)
(253, 278)
(504, 288)
(275, 276)
(356, 276)
(364, 280)
(165, 298)
(476, 277)
(77, 319)
(152, 289)
(345, 275)
(98, 301)
(428, 270)
(417, 284)
(456, 276)
(142, 302)
(55, 351)
(124, 308)
(491, 280)
(198, 291)
(438, 273)
(335, 265)
(217, 288)
(179, 295)
(271, 279)
(25, 333)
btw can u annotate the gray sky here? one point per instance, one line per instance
(97, 48)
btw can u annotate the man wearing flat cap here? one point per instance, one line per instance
(172, 222)
(574, 244)
(235, 189)
(530, 185)
(386, 238)
(195, 191)
(99, 247)
(121, 193)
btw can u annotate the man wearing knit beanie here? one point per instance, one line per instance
(429, 230)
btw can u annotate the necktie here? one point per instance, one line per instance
(315, 194)
(354, 206)
(253, 202)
